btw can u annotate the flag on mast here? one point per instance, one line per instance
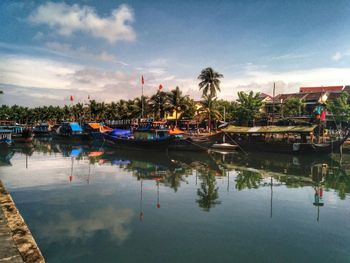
(71, 98)
(142, 80)
(160, 86)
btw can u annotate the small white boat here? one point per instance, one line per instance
(224, 146)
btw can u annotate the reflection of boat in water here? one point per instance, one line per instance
(142, 159)
(274, 163)
(283, 139)
(5, 157)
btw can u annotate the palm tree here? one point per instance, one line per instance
(208, 110)
(159, 104)
(210, 82)
(177, 102)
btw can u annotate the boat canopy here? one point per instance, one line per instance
(120, 132)
(5, 131)
(270, 129)
(75, 127)
(175, 131)
(94, 125)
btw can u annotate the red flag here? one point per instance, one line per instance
(160, 86)
(142, 80)
(71, 98)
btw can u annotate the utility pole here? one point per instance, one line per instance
(273, 103)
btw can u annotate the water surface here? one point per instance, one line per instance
(85, 203)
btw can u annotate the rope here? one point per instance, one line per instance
(236, 143)
(200, 146)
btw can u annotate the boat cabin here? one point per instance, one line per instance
(69, 129)
(282, 134)
(5, 135)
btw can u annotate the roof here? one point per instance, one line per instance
(320, 89)
(313, 96)
(283, 97)
(264, 96)
(270, 129)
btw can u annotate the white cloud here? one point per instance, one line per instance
(337, 56)
(31, 72)
(80, 52)
(43, 81)
(70, 19)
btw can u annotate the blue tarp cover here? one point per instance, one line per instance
(75, 127)
(120, 132)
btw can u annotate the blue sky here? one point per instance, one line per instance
(53, 49)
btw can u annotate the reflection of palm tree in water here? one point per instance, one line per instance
(247, 179)
(208, 193)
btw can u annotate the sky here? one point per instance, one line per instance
(50, 50)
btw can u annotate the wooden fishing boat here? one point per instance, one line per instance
(42, 130)
(71, 132)
(20, 134)
(96, 130)
(5, 139)
(284, 139)
(144, 139)
(193, 144)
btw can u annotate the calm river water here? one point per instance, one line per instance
(94, 204)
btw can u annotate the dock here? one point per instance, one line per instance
(17, 242)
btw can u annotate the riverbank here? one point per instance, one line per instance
(18, 244)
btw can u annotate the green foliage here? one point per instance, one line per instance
(208, 110)
(210, 82)
(177, 102)
(340, 107)
(248, 107)
(159, 104)
(227, 107)
(190, 110)
(293, 107)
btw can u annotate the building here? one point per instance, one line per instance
(311, 96)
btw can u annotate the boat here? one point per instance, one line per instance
(20, 134)
(284, 139)
(71, 132)
(224, 146)
(143, 138)
(96, 130)
(5, 139)
(193, 144)
(42, 130)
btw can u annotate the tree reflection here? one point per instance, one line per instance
(339, 180)
(208, 192)
(248, 179)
